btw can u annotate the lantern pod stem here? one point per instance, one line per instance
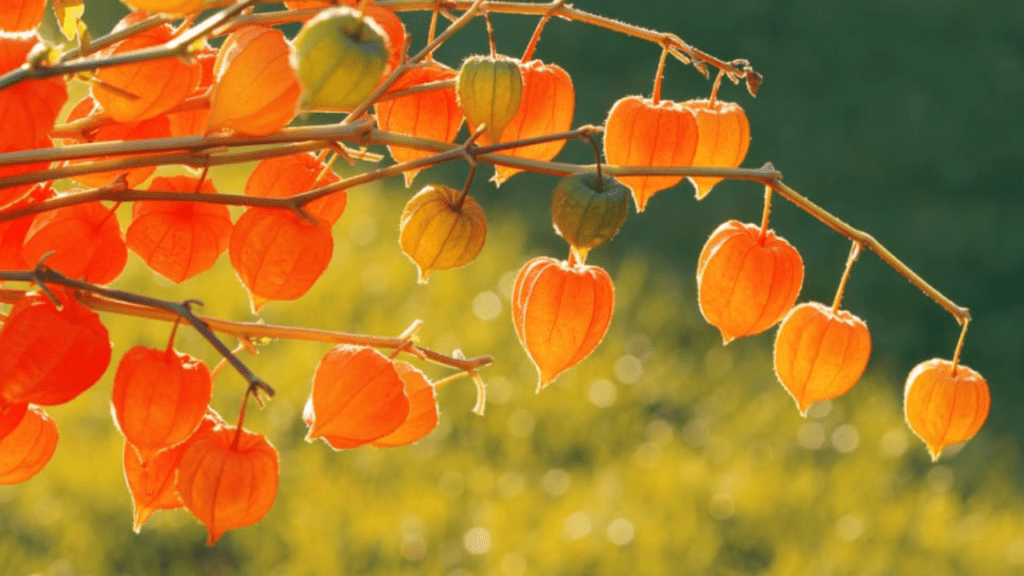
(714, 90)
(532, 45)
(490, 35)
(766, 214)
(854, 253)
(589, 136)
(656, 94)
(959, 346)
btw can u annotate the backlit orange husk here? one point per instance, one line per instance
(147, 89)
(357, 397)
(85, 238)
(256, 89)
(282, 176)
(944, 407)
(546, 107)
(22, 14)
(179, 240)
(561, 313)
(51, 355)
(724, 139)
(423, 414)
(158, 127)
(433, 115)
(159, 397)
(639, 132)
(228, 479)
(28, 448)
(820, 354)
(277, 254)
(745, 283)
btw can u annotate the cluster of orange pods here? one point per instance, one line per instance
(748, 281)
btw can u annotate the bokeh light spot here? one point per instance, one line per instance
(628, 369)
(556, 482)
(477, 540)
(845, 438)
(811, 436)
(576, 525)
(487, 305)
(602, 393)
(620, 532)
(940, 479)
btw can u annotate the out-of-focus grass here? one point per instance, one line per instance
(663, 453)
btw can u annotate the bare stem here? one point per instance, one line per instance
(249, 331)
(42, 275)
(656, 93)
(959, 346)
(854, 253)
(532, 45)
(765, 214)
(961, 314)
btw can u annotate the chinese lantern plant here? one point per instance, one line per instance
(747, 279)
(821, 352)
(945, 403)
(342, 56)
(162, 99)
(650, 132)
(442, 228)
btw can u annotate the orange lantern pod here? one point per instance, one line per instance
(724, 139)
(546, 107)
(561, 313)
(151, 483)
(109, 130)
(228, 479)
(357, 397)
(394, 30)
(10, 416)
(85, 238)
(134, 92)
(51, 355)
(283, 176)
(256, 89)
(433, 115)
(22, 14)
(28, 110)
(641, 132)
(159, 398)
(945, 405)
(168, 6)
(29, 447)
(193, 121)
(441, 229)
(277, 254)
(12, 232)
(746, 281)
(422, 416)
(820, 353)
(179, 240)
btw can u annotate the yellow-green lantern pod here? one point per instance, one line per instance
(588, 212)
(440, 229)
(342, 57)
(489, 90)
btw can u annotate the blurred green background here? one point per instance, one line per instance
(663, 453)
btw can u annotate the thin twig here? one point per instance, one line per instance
(42, 275)
(248, 331)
